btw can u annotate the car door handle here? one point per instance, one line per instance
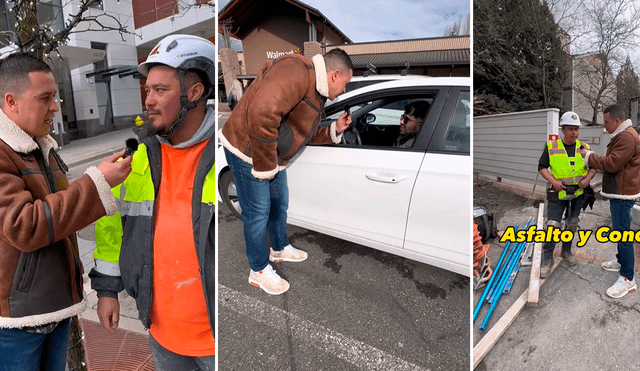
(385, 178)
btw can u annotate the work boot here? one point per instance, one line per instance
(545, 268)
(569, 258)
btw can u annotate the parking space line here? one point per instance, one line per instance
(329, 341)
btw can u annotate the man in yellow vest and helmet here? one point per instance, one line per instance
(160, 245)
(563, 167)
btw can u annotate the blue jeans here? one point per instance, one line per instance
(264, 206)
(166, 360)
(26, 351)
(621, 221)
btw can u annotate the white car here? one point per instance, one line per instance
(358, 82)
(412, 202)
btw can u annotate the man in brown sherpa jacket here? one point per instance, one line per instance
(621, 185)
(277, 116)
(40, 268)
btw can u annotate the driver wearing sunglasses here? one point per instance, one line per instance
(411, 122)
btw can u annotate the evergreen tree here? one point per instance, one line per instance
(519, 63)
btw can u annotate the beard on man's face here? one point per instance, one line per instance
(152, 130)
(152, 127)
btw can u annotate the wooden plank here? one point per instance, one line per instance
(534, 278)
(485, 345)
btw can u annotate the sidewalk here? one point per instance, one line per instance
(90, 149)
(128, 348)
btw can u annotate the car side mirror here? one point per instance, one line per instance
(370, 118)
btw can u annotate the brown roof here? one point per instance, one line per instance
(413, 45)
(460, 56)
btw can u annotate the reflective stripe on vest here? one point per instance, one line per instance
(562, 168)
(561, 165)
(209, 187)
(554, 150)
(138, 187)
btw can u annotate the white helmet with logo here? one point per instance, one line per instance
(184, 53)
(570, 118)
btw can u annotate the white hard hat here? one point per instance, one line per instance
(570, 118)
(184, 52)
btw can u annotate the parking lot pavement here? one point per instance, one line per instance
(349, 307)
(575, 326)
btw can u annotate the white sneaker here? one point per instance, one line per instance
(612, 266)
(268, 280)
(288, 254)
(622, 287)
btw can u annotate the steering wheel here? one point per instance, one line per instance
(353, 134)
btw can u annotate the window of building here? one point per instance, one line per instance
(97, 5)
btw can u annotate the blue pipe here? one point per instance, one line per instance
(507, 272)
(491, 280)
(504, 273)
(506, 264)
(501, 287)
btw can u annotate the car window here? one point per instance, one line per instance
(376, 123)
(335, 115)
(458, 138)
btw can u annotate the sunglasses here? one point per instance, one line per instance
(404, 118)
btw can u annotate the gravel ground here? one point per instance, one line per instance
(497, 200)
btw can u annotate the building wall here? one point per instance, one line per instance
(509, 145)
(272, 37)
(149, 11)
(152, 33)
(146, 12)
(151, 19)
(121, 51)
(328, 36)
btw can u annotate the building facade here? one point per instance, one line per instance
(587, 82)
(278, 27)
(98, 83)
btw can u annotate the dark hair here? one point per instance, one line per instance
(417, 109)
(338, 59)
(615, 111)
(14, 72)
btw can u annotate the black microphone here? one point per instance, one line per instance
(132, 146)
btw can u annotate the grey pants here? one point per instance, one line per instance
(166, 360)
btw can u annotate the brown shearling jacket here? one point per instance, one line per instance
(620, 165)
(279, 114)
(40, 267)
